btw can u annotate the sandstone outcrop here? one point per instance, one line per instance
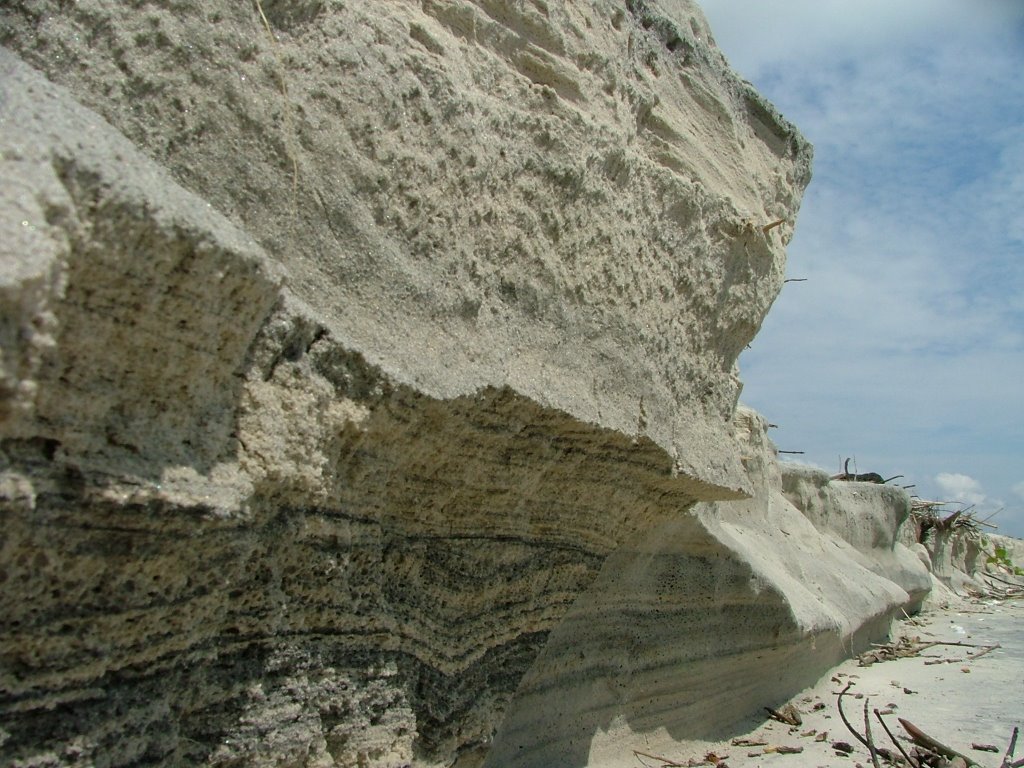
(866, 516)
(568, 199)
(365, 367)
(699, 620)
(960, 557)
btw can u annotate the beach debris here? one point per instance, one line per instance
(1004, 590)
(984, 747)
(1008, 761)
(987, 649)
(864, 477)
(843, 747)
(903, 648)
(782, 749)
(663, 762)
(776, 749)
(922, 739)
(788, 714)
(839, 705)
(866, 738)
(741, 742)
(907, 647)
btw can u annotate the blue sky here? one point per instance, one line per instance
(905, 347)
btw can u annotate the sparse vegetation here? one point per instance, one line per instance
(1002, 559)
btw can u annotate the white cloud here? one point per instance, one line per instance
(960, 487)
(801, 462)
(1018, 489)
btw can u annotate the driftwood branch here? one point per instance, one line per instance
(1010, 749)
(867, 735)
(665, 762)
(863, 477)
(957, 643)
(1004, 581)
(923, 739)
(839, 703)
(910, 761)
(981, 653)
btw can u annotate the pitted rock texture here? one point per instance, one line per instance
(567, 198)
(337, 358)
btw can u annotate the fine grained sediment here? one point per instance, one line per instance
(699, 620)
(338, 360)
(867, 518)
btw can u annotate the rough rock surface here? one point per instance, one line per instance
(566, 198)
(959, 558)
(1014, 548)
(358, 375)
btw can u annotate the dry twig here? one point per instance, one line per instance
(910, 761)
(842, 715)
(867, 736)
(922, 738)
(665, 762)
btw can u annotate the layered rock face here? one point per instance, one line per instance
(702, 619)
(342, 345)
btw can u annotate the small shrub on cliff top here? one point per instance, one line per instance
(1001, 558)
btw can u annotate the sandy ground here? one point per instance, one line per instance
(951, 697)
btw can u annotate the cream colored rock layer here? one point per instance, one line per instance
(566, 198)
(699, 621)
(337, 361)
(216, 516)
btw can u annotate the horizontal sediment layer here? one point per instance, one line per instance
(706, 618)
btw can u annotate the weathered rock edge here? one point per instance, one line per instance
(568, 199)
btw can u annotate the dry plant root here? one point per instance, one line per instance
(289, 125)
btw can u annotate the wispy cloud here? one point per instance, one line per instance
(906, 344)
(1018, 489)
(957, 487)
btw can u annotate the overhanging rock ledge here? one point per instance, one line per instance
(347, 373)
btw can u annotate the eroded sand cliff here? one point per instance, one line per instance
(361, 373)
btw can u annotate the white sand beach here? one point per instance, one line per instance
(956, 699)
